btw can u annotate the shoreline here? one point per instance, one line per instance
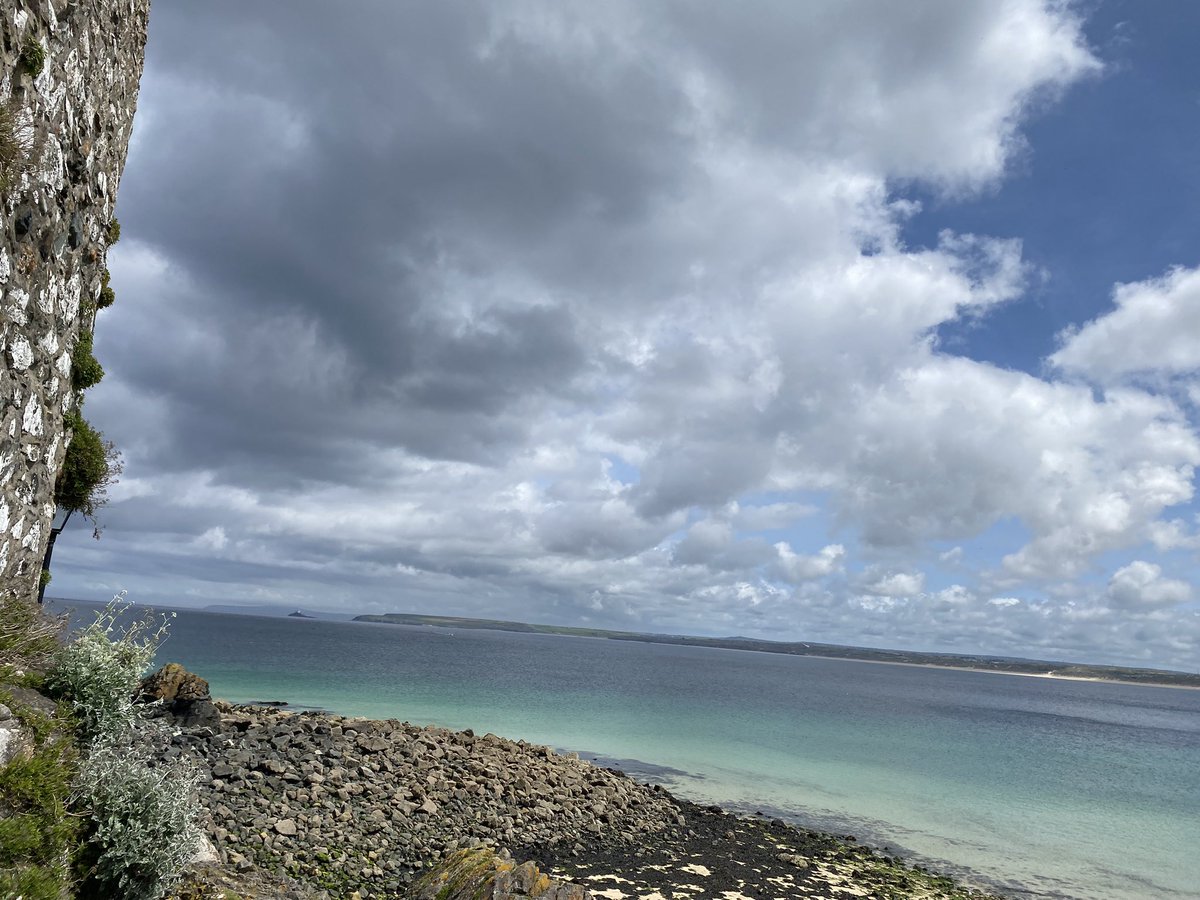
(1048, 675)
(927, 659)
(340, 804)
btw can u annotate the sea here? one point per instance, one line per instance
(1034, 787)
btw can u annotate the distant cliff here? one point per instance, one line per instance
(67, 97)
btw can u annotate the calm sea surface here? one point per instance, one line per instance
(1040, 787)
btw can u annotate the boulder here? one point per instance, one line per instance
(182, 694)
(206, 853)
(16, 741)
(35, 700)
(173, 682)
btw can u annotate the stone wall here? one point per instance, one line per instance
(72, 122)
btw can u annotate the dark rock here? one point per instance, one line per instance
(173, 682)
(23, 222)
(75, 232)
(374, 803)
(373, 744)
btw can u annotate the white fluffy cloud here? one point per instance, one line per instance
(896, 584)
(1140, 585)
(797, 567)
(1154, 330)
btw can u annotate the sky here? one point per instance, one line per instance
(857, 322)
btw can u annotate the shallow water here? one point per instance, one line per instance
(1042, 787)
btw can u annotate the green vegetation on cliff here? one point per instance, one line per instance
(38, 834)
(84, 808)
(14, 147)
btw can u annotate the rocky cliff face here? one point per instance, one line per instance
(69, 73)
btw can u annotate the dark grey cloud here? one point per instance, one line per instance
(316, 183)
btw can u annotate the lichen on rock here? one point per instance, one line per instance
(484, 875)
(180, 694)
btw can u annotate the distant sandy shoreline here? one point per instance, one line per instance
(1049, 675)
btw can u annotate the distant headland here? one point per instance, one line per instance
(1000, 664)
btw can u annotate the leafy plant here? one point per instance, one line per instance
(33, 56)
(107, 296)
(141, 811)
(89, 467)
(113, 232)
(85, 368)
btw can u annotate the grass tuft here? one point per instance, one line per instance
(16, 145)
(28, 637)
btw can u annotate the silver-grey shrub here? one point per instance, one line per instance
(143, 819)
(100, 669)
(142, 811)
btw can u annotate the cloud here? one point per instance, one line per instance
(797, 567)
(212, 540)
(1173, 535)
(1140, 585)
(844, 85)
(1151, 332)
(603, 313)
(895, 584)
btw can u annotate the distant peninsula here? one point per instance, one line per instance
(1008, 665)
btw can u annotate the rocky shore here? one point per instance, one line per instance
(313, 804)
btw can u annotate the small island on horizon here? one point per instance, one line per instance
(982, 663)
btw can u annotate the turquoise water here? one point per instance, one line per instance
(1041, 787)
